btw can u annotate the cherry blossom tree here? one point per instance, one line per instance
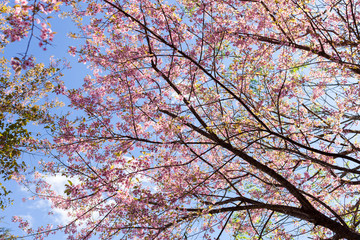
(206, 117)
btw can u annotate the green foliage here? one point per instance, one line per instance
(19, 105)
(11, 135)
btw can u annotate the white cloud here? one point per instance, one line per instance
(61, 216)
(40, 204)
(58, 183)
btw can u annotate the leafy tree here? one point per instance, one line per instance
(23, 83)
(237, 115)
(19, 105)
